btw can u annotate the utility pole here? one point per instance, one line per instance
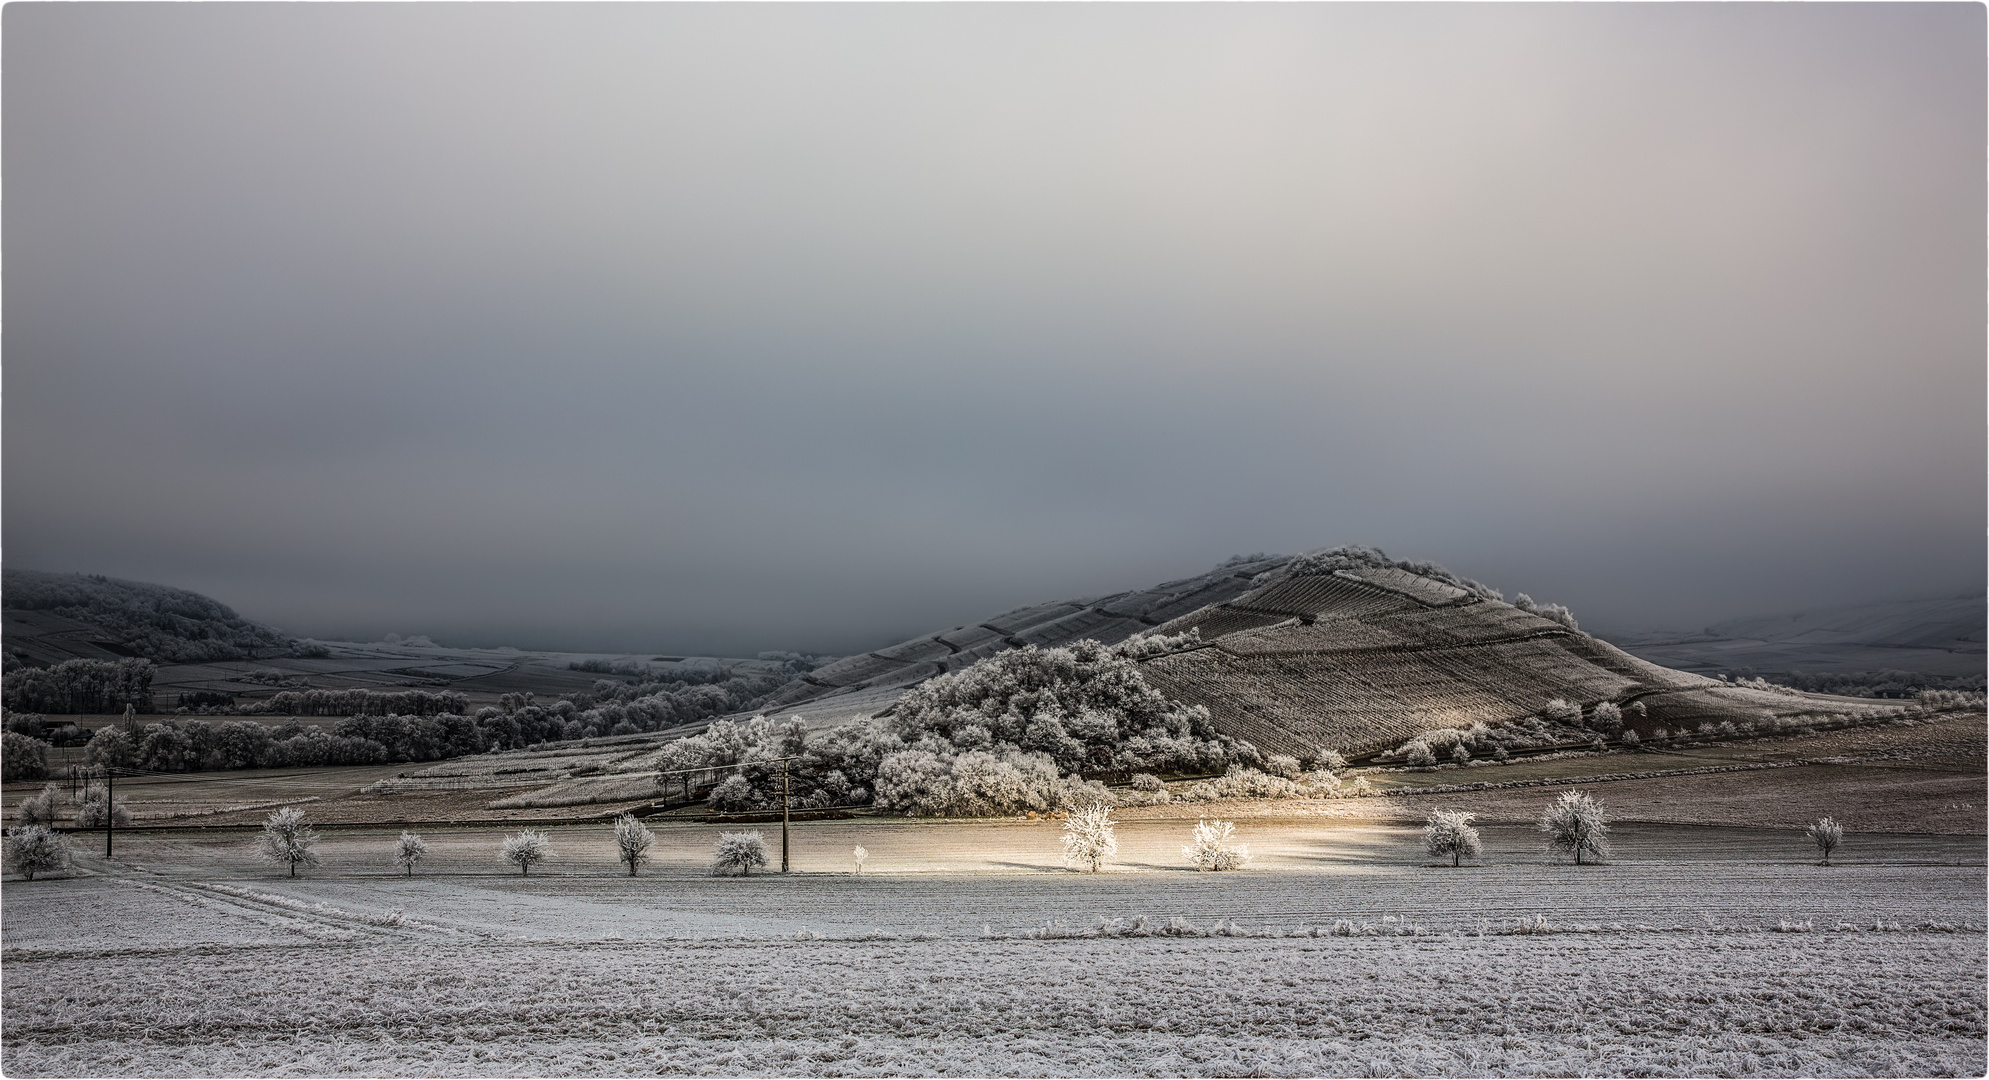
(783, 815)
(110, 806)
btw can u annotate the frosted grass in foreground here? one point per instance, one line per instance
(1638, 1004)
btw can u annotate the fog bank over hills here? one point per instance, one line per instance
(718, 328)
(1943, 636)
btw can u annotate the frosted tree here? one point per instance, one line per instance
(112, 748)
(1449, 834)
(1827, 834)
(527, 848)
(1575, 824)
(21, 756)
(40, 809)
(861, 853)
(410, 850)
(287, 840)
(1561, 711)
(35, 849)
(1607, 718)
(97, 807)
(739, 854)
(1088, 839)
(632, 840)
(1211, 850)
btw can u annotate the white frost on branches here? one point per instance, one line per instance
(34, 849)
(526, 848)
(1575, 825)
(287, 841)
(1088, 839)
(632, 840)
(1827, 834)
(739, 854)
(1448, 834)
(410, 850)
(1211, 849)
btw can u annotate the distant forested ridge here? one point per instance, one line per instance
(155, 622)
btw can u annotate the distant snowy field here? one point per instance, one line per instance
(1653, 966)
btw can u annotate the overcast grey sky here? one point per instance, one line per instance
(746, 327)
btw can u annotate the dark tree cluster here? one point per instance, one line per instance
(81, 686)
(421, 726)
(364, 703)
(197, 745)
(204, 699)
(150, 621)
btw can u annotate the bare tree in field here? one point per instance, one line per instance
(411, 850)
(1575, 824)
(34, 849)
(861, 853)
(286, 840)
(739, 853)
(1449, 833)
(526, 848)
(1088, 839)
(1827, 834)
(632, 840)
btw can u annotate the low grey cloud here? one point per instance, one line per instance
(721, 328)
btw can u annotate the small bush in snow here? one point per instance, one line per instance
(1330, 759)
(40, 809)
(1827, 834)
(1575, 824)
(1459, 754)
(1243, 783)
(1147, 783)
(739, 854)
(632, 840)
(861, 853)
(1421, 756)
(1632, 740)
(1449, 834)
(526, 848)
(34, 849)
(1088, 839)
(410, 850)
(1283, 766)
(1211, 849)
(1561, 712)
(287, 841)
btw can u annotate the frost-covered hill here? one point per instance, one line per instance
(1346, 650)
(55, 617)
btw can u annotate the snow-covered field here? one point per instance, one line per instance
(1341, 955)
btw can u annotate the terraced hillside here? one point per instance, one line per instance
(1109, 619)
(1362, 659)
(1355, 654)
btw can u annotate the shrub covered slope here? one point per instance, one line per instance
(155, 622)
